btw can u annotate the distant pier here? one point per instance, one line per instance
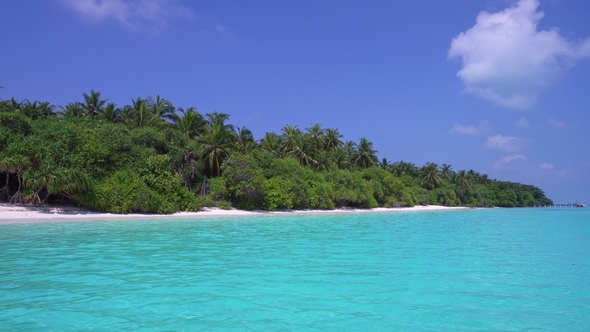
(575, 205)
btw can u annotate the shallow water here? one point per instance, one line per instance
(492, 269)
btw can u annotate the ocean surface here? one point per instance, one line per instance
(463, 270)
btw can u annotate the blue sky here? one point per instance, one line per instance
(497, 86)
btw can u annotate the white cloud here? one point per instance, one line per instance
(576, 174)
(546, 166)
(225, 31)
(556, 123)
(471, 130)
(221, 29)
(508, 161)
(508, 61)
(522, 123)
(131, 13)
(464, 130)
(506, 143)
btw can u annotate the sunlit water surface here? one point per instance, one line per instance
(492, 269)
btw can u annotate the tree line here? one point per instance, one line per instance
(150, 156)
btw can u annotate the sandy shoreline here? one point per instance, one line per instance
(10, 214)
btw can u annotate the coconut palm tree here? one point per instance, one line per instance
(316, 135)
(190, 123)
(446, 171)
(301, 150)
(364, 155)
(340, 157)
(473, 175)
(244, 140)
(350, 147)
(71, 110)
(216, 142)
(93, 105)
(462, 180)
(138, 115)
(332, 139)
(289, 133)
(220, 118)
(161, 108)
(11, 105)
(484, 179)
(401, 168)
(110, 113)
(36, 109)
(46, 109)
(430, 176)
(271, 142)
(28, 109)
(321, 160)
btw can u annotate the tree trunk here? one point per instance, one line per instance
(4, 191)
(18, 198)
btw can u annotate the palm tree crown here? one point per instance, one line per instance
(190, 123)
(93, 105)
(364, 154)
(430, 176)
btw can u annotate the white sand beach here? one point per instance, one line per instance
(10, 214)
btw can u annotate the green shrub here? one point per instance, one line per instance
(421, 196)
(15, 122)
(217, 188)
(321, 196)
(506, 198)
(151, 138)
(223, 204)
(244, 182)
(277, 194)
(205, 201)
(289, 169)
(125, 192)
(158, 176)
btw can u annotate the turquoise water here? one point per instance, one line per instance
(493, 269)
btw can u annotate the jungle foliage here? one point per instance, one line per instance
(152, 157)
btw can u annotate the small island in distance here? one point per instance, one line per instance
(151, 157)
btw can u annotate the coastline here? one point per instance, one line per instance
(19, 214)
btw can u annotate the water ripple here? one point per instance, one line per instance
(510, 270)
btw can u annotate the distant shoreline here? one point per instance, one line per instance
(19, 214)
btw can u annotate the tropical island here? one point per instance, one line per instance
(152, 157)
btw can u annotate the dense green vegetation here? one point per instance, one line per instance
(151, 157)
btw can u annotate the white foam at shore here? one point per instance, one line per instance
(30, 214)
